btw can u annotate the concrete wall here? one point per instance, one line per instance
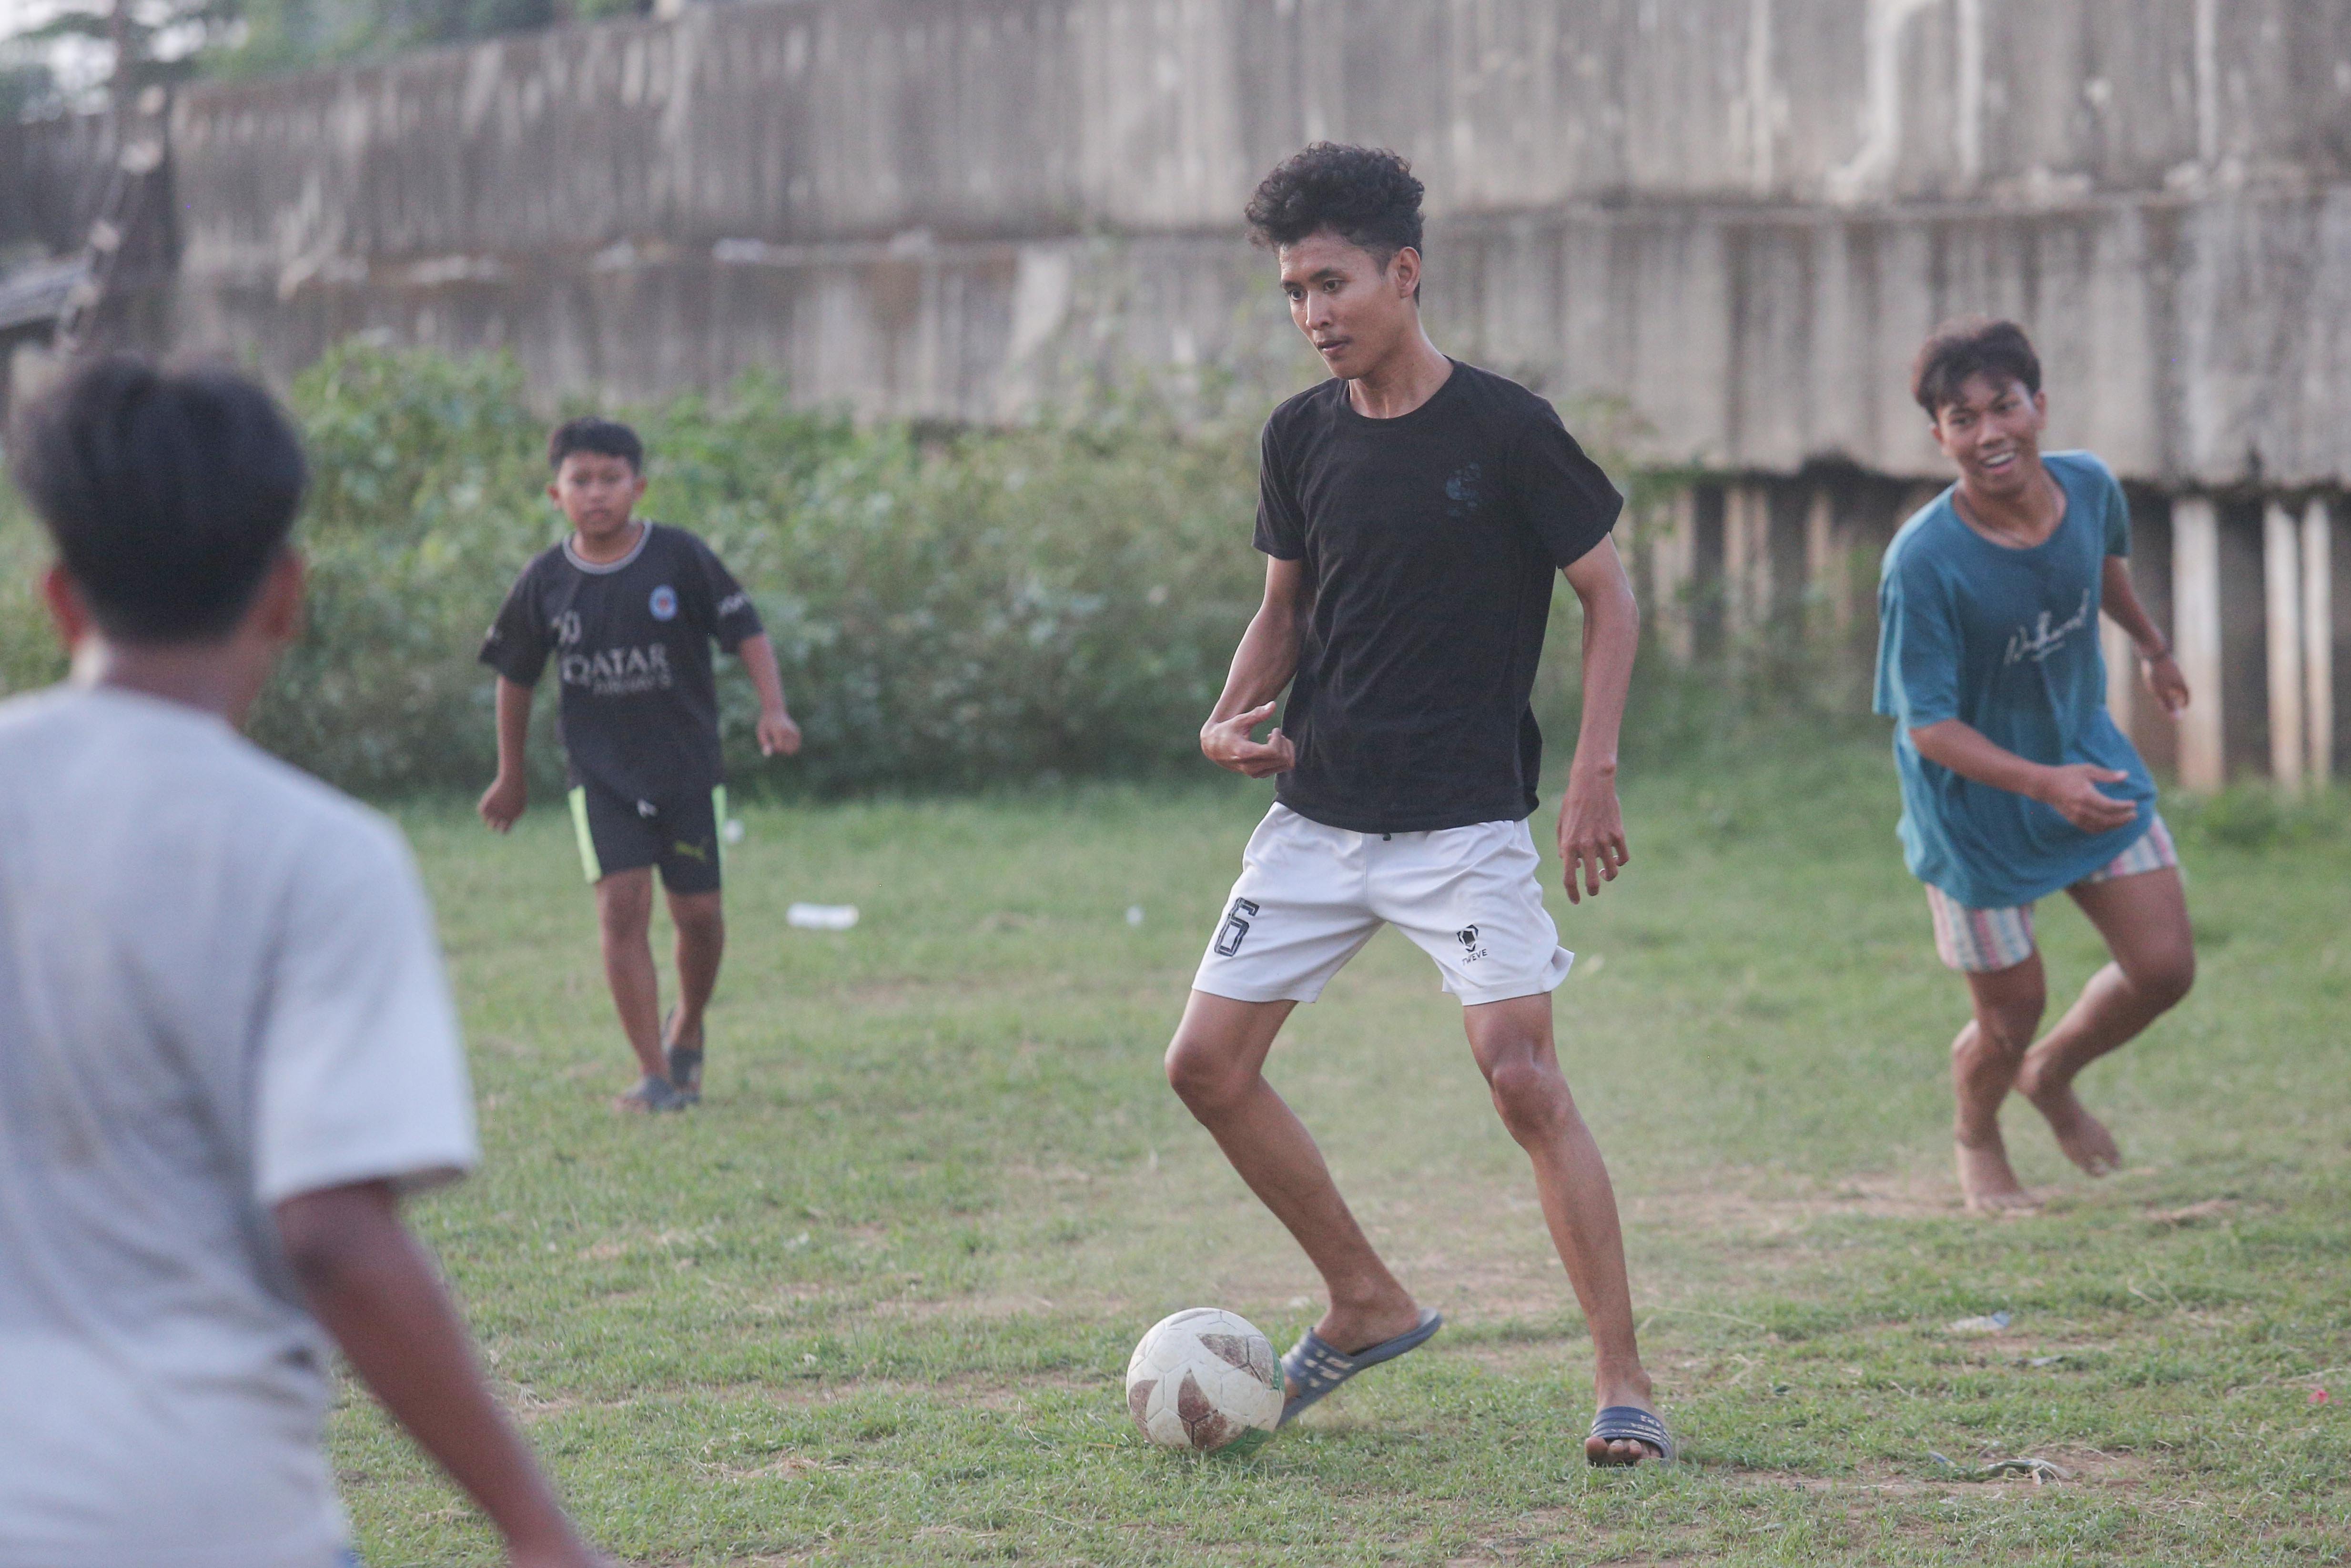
(1730, 219)
(52, 174)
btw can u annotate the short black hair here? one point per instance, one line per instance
(1365, 195)
(605, 438)
(169, 494)
(1972, 346)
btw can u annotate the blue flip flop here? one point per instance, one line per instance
(1630, 1422)
(1317, 1369)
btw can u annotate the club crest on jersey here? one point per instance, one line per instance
(1464, 491)
(664, 604)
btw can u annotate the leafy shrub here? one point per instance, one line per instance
(950, 609)
(947, 610)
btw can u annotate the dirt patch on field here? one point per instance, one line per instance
(527, 1406)
(2076, 1467)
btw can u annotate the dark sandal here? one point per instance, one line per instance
(1631, 1424)
(1317, 1370)
(685, 1064)
(652, 1094)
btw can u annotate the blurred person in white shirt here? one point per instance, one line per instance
(228, 1047)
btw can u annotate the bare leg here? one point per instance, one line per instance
(1984, 1061)
(624, 910)
(1217, 1064)
(1513, 1042)
(701, 923)
(2144, 919)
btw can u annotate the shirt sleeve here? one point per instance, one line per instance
(727, 609)
(517, 646)
(361, 1076)
(1280, 521)
(1918, 648)
(1566, 497)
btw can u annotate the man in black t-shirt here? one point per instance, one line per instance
(628, 609)
(1414, 510)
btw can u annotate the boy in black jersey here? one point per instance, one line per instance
(1415, 512)
(629, 610)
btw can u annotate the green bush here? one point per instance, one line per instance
(951, 609)
(948, 610)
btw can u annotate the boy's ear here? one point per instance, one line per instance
(638, 493)
(67, 610)
(277, 611)
(1404, 270)
(554, 494)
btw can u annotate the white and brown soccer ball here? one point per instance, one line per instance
(1204, 1380)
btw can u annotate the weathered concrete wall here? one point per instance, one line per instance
(52, 174)
(1732, 217)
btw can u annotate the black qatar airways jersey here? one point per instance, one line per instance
(630, 639)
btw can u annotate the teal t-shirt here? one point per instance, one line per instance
(2005, 640)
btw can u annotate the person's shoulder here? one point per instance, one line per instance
(2084, 473)
(28, 713)
(2076, 463)
(200, 757)
(668, 543)
(1918, 539)
(327, 821)
(1316, 404)
(1499, 389)
(1502, 402)
(543, 565)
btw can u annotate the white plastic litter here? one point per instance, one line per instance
(733, 831)
(1134, 915)
(821, 916)
(1994, 1322)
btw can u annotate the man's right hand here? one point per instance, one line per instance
(2073, 791)
(504, 800)
(1225, 742)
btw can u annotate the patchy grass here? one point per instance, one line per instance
(871, 1301)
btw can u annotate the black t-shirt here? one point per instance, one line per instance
(1430, 540)
(631, 645)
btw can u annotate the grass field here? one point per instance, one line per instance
(871, 1302)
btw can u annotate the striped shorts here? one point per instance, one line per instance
(1977, 941)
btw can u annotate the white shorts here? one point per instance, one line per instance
(1310, 897)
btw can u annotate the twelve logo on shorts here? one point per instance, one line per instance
(1468, 937)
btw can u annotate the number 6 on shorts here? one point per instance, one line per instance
(1228, 937)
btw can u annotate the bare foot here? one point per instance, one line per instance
(1623, 1451)
(1350, 1329)
(2083, 1136)
(1991, 1186)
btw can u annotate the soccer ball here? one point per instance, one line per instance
(1206, 1381)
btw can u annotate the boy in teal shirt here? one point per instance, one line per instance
(2015, 781)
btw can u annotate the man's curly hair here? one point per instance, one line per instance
(1365, 195)
(1972, 346)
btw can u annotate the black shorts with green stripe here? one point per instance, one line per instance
(678, 833)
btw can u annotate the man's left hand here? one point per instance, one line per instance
(1591, 833)
(778, 732)
(2165, 680)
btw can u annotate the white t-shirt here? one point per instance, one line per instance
(219, 989)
